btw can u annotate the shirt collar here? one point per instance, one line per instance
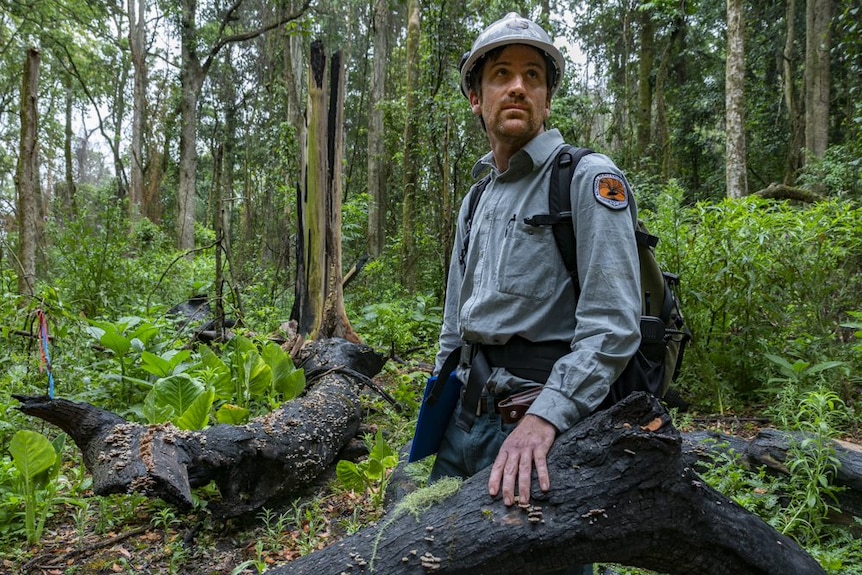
(525, 160)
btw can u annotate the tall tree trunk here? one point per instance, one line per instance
(312, 205)
(118, 115)
(137, 30)
(621, 78)
(794, 157)
(661, 144)
(376, 135)
(643, 127)
(447, 223)
(69, 192)
(156, 168)
(228, 172)
(219, 228)
(334, 316)
(319, 306)
(735, 167)
(294, 61)
(411, 149)
(27, 174)
(191, 78)
(818, 45)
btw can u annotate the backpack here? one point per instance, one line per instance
(663, 332)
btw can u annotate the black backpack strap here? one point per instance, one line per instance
(559, 214)
(475, 195)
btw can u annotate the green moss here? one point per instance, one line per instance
(416, 503)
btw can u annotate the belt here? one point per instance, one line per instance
(526, 359)
(522, 358)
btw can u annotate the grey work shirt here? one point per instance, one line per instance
(514, 281)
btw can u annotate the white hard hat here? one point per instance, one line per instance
(512, 29)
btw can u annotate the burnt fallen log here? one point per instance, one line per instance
(267, 459)
(621, 492)
(769, 449)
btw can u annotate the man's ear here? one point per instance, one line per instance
(475, 103)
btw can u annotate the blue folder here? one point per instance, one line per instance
(434, 415)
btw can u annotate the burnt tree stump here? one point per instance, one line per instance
(621, 492)
(269, 458)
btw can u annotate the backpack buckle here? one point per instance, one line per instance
(539, 220)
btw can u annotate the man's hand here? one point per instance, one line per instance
(526, 446)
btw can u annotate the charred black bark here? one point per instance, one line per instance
(620, 492)
(269, 458)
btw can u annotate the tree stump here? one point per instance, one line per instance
(620, 492)
(269, 458)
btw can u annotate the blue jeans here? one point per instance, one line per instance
(463, 454)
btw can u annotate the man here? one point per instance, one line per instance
(511, 306)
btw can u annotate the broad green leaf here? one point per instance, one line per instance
(211, 360)
(178, 391)
(94, 331)
(374, 469)
(286, 379)
(165, 364)
(292, 385)
(784, 366)
(380, 450)
(278, 360)
(176, 356)
(144, 333)
(151, 363)
(197, 415)
(817, 368)
(244, 344)
(115, 342)
(257, 374)
(349, 476)
(32, 453)
(153, 412)
(58, 444)
(232, 414)
(128, 322)
(223, 382)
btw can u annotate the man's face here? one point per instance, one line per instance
(513, 100)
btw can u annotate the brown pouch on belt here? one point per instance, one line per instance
(513, 408)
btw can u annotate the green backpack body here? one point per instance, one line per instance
(663, 332)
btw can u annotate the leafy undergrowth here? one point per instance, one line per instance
(130, 534)
(150, 537)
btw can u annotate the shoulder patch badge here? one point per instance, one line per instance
(610, 191)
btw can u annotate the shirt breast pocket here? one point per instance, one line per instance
(529, 265)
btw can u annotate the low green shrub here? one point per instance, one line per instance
(757, 277)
